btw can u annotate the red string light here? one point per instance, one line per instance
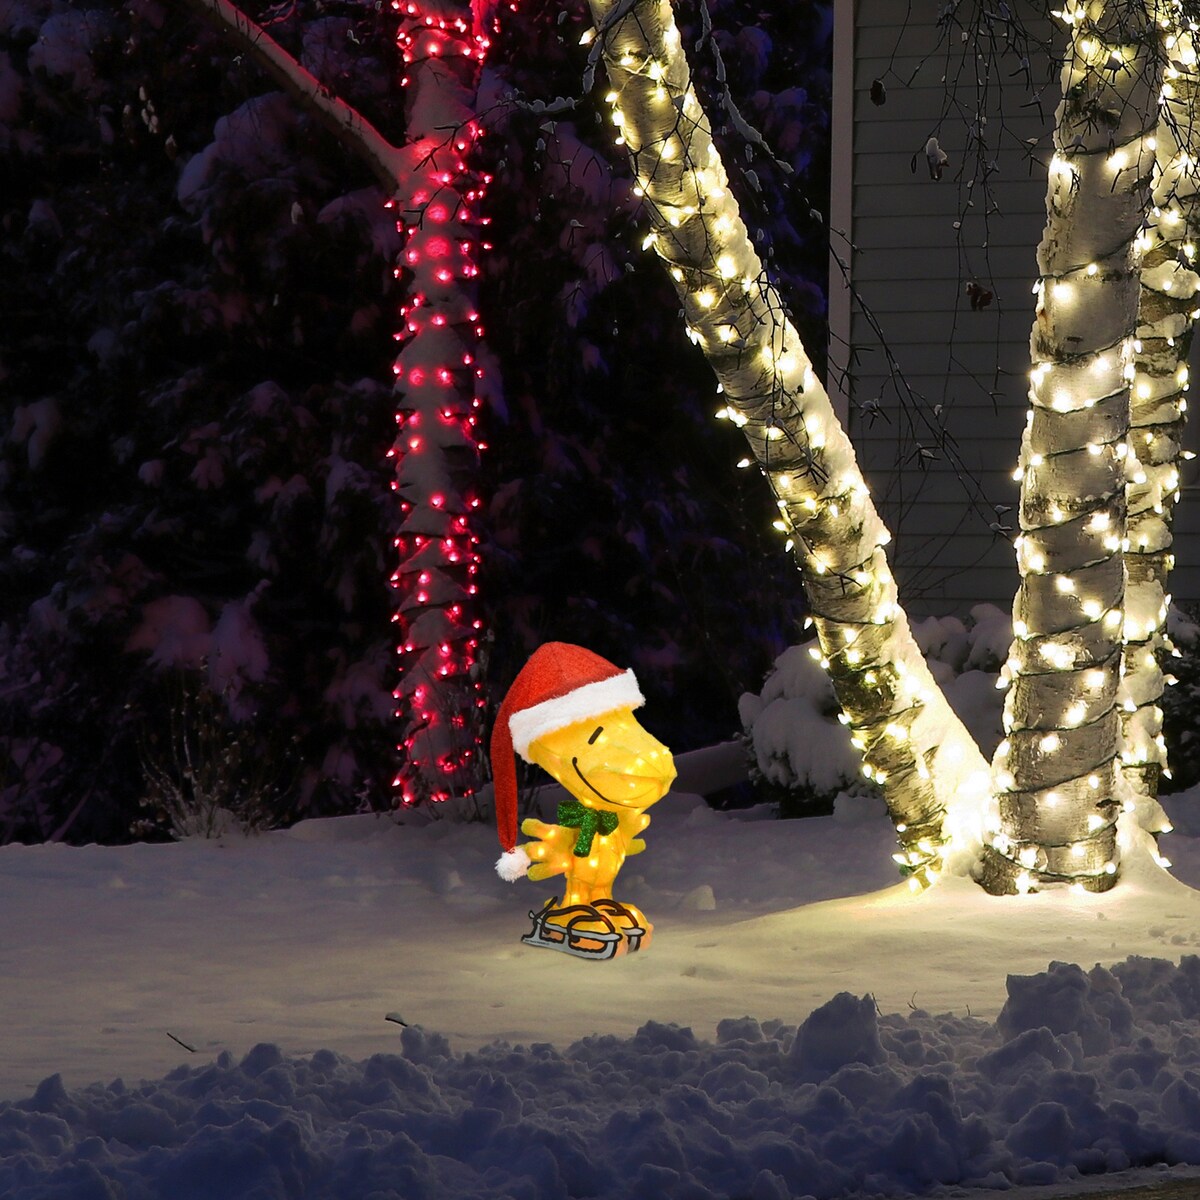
(438, 696)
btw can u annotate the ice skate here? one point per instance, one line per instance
(578, 929)
(634, 927)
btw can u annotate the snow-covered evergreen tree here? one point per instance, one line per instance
(615, 498)
(197, 342)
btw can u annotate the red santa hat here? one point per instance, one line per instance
(560, 685)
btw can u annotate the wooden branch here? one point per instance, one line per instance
(346, 123)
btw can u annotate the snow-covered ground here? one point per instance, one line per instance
(677, 1071)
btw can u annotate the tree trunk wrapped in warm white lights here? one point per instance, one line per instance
(912, 744)
(1055, 772)
(1158, 412)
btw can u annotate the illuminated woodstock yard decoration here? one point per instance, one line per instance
(571, 712)
(1077, 773)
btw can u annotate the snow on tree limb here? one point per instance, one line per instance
(388, 162)
(932, 775)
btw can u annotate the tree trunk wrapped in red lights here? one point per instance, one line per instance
(439, 381)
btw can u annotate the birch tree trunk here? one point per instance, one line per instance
(1055, 772)
(1158, 413)
(933, 777)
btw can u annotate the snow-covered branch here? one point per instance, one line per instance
(343, 121)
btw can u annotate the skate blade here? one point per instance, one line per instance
(637, 937)
(595, 944)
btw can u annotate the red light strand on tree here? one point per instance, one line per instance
(440, 383)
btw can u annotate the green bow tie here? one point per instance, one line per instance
(574, 815)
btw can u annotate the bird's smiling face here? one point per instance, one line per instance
(607, 762)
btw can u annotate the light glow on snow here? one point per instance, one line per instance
(830, 1034)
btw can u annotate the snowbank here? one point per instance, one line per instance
(1081, 1073)
(887, 1051)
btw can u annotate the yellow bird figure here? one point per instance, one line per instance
(571, 712)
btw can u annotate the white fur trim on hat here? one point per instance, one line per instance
(513, 865)
(591, 700)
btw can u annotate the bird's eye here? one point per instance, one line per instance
(599, 731)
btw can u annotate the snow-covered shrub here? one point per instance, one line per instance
(965, 658)
(205, 773)
(25, 764)
(801, 755)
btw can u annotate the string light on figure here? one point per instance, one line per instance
(441, 382)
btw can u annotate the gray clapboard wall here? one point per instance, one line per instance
(917, 245)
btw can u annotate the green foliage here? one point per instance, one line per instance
(196, 341)
(618, 516)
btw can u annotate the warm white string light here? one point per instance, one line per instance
(913, 746)
(1158, 413)
(1055, 774)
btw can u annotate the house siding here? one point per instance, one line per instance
(910, 266)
